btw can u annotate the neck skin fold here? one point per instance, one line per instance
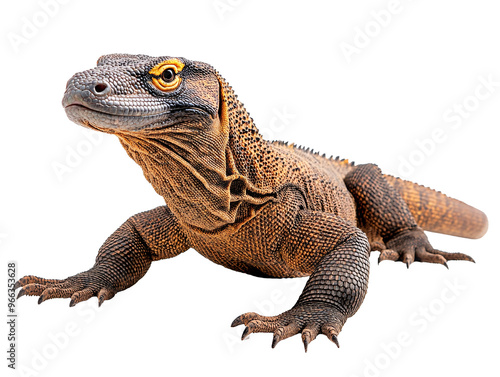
(208, 170)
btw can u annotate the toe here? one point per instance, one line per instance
(268, 324)
(30, 279)
(408, 256)
(424, 256)
(105, 294)
(309, 333)
(55, 292)
(31, 290)
(80, 296)
(284, 332)
(388, 254)
(331, 332)
(244, 319)
(452, 256)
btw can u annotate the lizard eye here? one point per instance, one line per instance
(168, 75)
(165, 75)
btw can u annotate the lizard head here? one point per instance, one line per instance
(139, 94)
(183, 124)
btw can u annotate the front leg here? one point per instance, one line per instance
(336, 253)
(122, 260)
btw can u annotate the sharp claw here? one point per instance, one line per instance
(237, 322)
(72, 303)
(407, 260)
(41, 299)
(335, 340)
(446, 265)
(21, 293)
(17, 285)
(105, 294)
(306, 339)
(246, 332)
(467, 258)
(276, 339)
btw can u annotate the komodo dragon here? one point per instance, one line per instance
(264, 208)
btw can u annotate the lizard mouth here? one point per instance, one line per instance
(110, 122)
(77, 107)
(103, 121)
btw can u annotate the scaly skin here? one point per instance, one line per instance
(262, 208)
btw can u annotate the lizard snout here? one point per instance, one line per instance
(86, 92)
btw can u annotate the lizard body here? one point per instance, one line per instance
(264, 208)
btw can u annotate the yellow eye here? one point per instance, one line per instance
(165, 75)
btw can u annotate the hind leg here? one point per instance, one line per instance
(384, 215)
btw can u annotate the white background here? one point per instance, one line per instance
(282, 57)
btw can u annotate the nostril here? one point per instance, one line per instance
(101, 88)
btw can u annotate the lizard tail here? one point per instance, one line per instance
(436, 212)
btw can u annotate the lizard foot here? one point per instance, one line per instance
(79, 287)
(413, 245)
(308, 319)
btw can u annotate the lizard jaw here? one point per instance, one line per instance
(102, 121)
(111, 123)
